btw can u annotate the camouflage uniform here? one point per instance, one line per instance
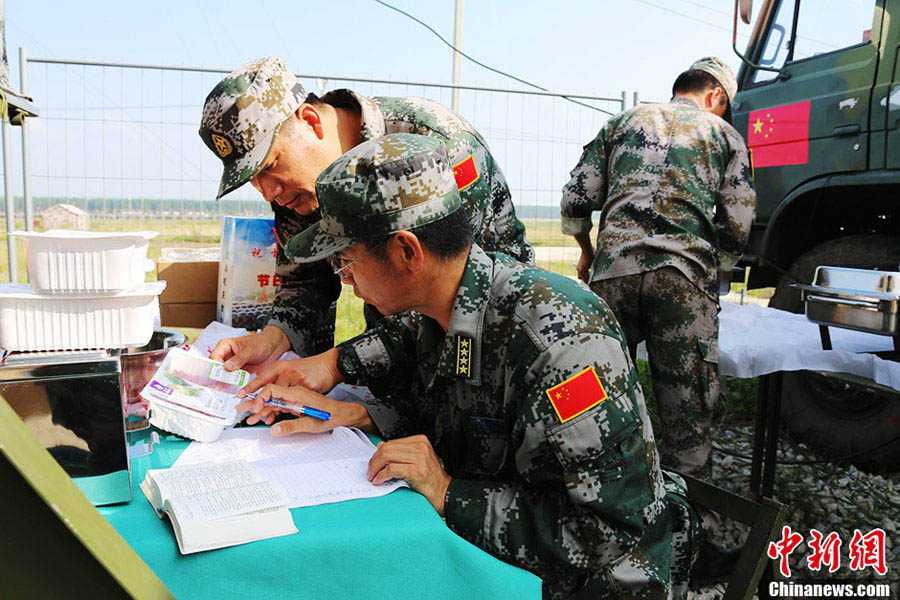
(308, 289)
(575, 502)
(673, 186)
(571, 492)
(239, 121)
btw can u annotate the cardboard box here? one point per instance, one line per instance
(189, 299)
(188, 281)
(187, 314)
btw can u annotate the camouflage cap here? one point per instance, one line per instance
(388, 184)
(243, 112)
(722, 72)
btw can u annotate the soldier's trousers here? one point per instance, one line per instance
(681, 326)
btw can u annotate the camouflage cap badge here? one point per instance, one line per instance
(722, 72)
(388, 184)
(243, 112)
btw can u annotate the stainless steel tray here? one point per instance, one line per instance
(859, 299)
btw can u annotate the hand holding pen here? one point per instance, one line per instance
(326, 413)
(306, 411)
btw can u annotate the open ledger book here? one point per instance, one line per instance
(218, 505)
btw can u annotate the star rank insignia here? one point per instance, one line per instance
(464, 355)
(577, 394)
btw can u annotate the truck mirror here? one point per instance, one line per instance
(745, 8)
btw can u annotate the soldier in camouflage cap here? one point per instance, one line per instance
(672, 182)
(399, 181)
(724, 77)
(241, 116)
(521, 418)
(312, 133)
(722, 72)
(673, 185)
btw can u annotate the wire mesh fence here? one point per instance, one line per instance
(119, 142)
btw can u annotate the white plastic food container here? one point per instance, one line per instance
(30, 322)
(68, 262)
(186, 422)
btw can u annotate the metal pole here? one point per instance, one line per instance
(10, 204)
(637, 99)
(457, 57)
(477, 88)
(624, 99)
(26, 148)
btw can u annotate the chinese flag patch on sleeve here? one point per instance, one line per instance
(576, 394)
(465, 173)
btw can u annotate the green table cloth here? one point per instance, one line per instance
(395, 546)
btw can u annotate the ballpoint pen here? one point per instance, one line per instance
(306, 411)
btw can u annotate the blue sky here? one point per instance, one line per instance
(596, 47)
(116, 134)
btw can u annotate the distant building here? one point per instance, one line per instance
(64, 216)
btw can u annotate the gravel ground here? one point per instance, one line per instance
(823, 496)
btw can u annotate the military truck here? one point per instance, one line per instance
(819, 106)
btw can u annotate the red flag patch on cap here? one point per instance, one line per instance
(465, 173)
(577, 394)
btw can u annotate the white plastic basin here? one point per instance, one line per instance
(68, 262)
(30, 322)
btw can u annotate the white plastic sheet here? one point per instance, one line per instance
(755, 340)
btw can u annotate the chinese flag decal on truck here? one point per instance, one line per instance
(779, 135)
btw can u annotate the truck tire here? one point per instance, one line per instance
(840, 419)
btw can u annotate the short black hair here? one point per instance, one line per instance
(337, 98)
(446, 238)
(694, 81)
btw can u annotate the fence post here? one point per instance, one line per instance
(637, 99)
(10, 204)
(457, 58)
(26, 149)
(624, 99)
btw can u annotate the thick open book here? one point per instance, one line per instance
(218, 505)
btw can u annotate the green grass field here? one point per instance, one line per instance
(350, 321)
(542, 233)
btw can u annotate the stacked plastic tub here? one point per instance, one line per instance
(87, 291)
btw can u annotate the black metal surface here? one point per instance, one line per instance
(21, 366)
(825, 336)
(764, 516)
(79, 421)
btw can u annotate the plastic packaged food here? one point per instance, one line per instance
(193, 396)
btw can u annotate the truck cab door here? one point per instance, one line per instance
(886, 101)
(813, 117)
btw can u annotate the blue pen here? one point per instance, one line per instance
(306, 411)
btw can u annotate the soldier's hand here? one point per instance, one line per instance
(253, 352)
(318, 373)
(584, 265)
(414, 460)
(346, 414)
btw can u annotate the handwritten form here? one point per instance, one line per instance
(313, 468)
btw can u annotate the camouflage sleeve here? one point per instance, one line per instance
(387, 349)
(735, 205)
(380, 358)
(302, 306)
(485, 195)
(587, 488)
(586, 190)
(510, 230)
